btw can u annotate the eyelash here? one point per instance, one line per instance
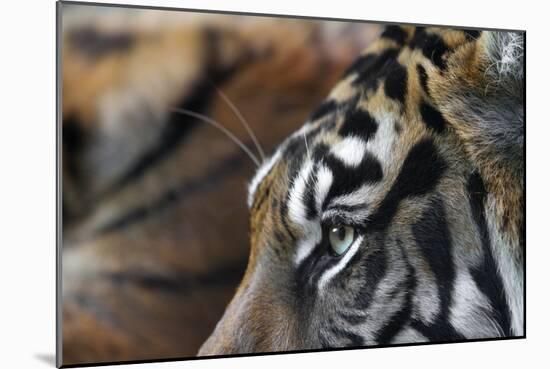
(341, 219)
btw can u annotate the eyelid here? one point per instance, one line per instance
(334, 217)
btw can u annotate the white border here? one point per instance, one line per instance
(27, 193)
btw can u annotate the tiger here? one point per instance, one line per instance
(153, 221)
(395, 214)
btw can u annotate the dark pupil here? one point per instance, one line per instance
(340, 233)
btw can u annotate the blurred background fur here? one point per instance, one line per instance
(154, 218)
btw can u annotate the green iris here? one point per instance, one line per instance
(341, 238)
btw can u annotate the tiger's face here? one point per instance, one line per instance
(378, 222)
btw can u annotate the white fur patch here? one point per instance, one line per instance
(511, 274)
(409, 335)
(382, 145)
(505, 51)
(296, 207)
(297, 213)
(324, 181)
(350, 151)
(354, 198)
(306, 245)
(470, 311)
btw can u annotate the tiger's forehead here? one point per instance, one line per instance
(382, 99)
(338, 152)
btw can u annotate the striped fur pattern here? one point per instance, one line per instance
(419, 148)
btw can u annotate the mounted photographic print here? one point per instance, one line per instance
(238, 184)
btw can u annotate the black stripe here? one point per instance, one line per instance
(396, 323)
(74, 138)
(472, 34)
(486, 275)
(360, 64)
(294, 152)
(420, 173)
(73, 135)
(432, 117)
(395, 86)
(376, 67)
(353, 319)
(374, 266)
(346, 180)
(295, 149)
(353, 340)
(432, 236)
(432, 46)
(359, 123)
(439, 331)
(395, 33)
(423, 78)
(309, 197)
(326, 108)
(320, 152)
(307, 275)
(401, 317)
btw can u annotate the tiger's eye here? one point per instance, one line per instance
(341, 238)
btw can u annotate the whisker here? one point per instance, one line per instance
(243, 121)
(231, 136)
